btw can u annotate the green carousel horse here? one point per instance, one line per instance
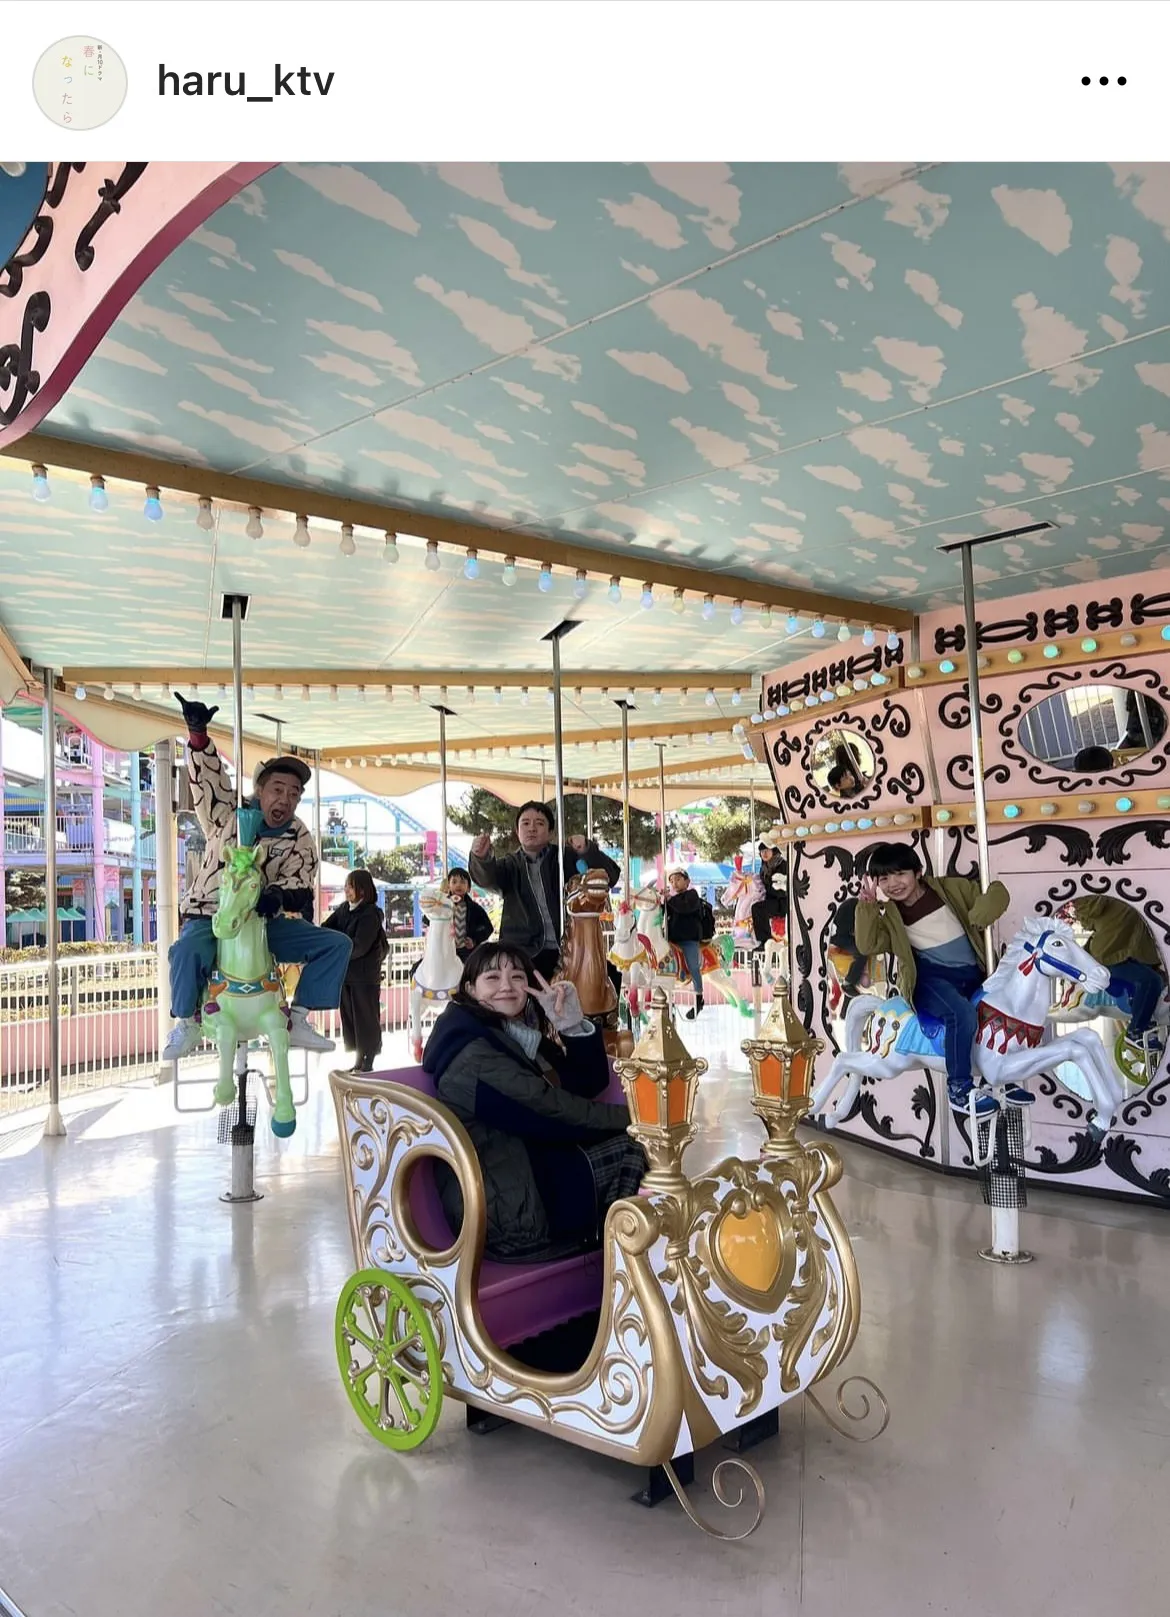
(245, 997)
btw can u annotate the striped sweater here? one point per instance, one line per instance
(288, 861)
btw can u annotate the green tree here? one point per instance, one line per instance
(396, 865)
(24, 890)
(482, 810)
(720, 834)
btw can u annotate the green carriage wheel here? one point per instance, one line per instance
(389, 1359)
(1130, 1058)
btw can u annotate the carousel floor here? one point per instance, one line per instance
(174, 1438)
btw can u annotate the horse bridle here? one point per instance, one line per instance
(1037, 955)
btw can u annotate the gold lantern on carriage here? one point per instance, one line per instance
(660, 1079)
(783, 1058)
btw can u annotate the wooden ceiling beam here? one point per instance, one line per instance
(408, 678)
(424, 745)
(634, 566)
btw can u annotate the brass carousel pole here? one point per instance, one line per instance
(662, 803)
(555, 636)
(444, 713)
(1005, 1127)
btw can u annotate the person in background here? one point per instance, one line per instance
(1118, 939)
(684, 926)
(362, 922)
(529, 881)
(471, 922)
(521, 1067)
(933, 927)
(1093, 760)
(774, 904)
(842, 781)
(288, 858)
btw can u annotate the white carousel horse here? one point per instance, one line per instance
(743, 890)
(655, 961)
(437, 974)
(883, 1038)
(1138, 1059)
(776, 951)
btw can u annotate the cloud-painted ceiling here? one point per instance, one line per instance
(811, 373)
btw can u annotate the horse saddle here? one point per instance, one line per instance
(897, 1027)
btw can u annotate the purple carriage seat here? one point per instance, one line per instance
(516, 1300)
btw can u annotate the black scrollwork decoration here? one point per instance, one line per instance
(1112, 844)
(1078, 844)
(31, 252)
(19, 380)
(954, 709)
(1120, 1153)
(961, 775)
(894, 718)
(110, 195)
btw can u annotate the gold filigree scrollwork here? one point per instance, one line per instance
(374, 1133)
(850, 1421)
(721, 1492)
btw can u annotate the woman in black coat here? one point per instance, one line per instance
(361, 994)
(522, 1070)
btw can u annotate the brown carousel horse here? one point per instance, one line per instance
(583, 957)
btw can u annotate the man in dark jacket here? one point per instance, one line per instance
(684, 926)
(774, 904)
(529, 881)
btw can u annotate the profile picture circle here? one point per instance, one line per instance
(80, 82)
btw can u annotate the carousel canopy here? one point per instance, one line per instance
(765, 395)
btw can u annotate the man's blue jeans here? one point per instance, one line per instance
(1138, 986)
(323, 955)
(692, 953)
(945, 992)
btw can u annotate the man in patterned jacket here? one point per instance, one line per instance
(289, 861)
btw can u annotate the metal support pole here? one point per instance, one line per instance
(136, 852)
(54, 1127)
(625, 707)
(317, 828)
(238, 696)
(1005, 1221)
(589, 810)
(443, 786)
(662, 805)
(165, 879)
(558, 777)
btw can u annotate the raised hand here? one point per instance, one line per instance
(869, 893)
(560, 1003)
(482, 845)
(197, 715)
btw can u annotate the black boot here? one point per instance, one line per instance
(695, 1008)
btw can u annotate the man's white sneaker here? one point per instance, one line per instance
(184, 1036)
(303, 1036)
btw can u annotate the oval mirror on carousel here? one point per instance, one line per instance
(1091, 729)
(841, 764)
(1131, 1015)
(22, 190)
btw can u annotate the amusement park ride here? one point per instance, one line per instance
(1021, 739)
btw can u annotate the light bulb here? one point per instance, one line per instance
(580, 584)
(708, 608)
(471, 565)
(99, 500)
(431, 559)
(545, 581)
(347, 546)
(893, 640)
(765, 617)
(152, 510)
(301, 535)
(615, 590)
(203, 516)
(709, 699)
(818, 629)
(137, 693)
(736, 698)
(81, 693)
(361, 693)
(737, 613)
(40, 484)
(306, 694)
(679, 604)
(844, 633)
(792, 624)
(108, 693)
(548, 697)
(497, 695)
(524, 696)
(333, 697)
(656, 699)
(647, 598)
(868, 637)
(508, 576)
(390, 548)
